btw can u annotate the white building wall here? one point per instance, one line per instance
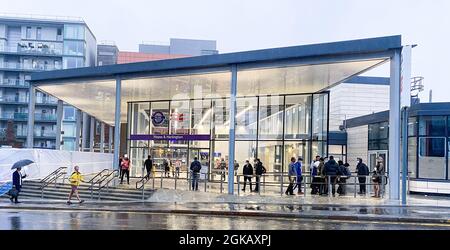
(357, 144)
(349, 100)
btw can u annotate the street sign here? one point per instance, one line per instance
(405, 77)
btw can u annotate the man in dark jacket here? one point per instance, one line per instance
(148, 166)
(17, 183)
(247, 171)
(331, 171)
(362, 171)
(196, 166)
(259, 170)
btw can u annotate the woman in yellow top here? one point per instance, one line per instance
(75, 179)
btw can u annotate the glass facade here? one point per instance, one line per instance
(272, 128)
(74, 32)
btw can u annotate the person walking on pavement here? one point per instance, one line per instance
(223, 169)
(125, 166)
(363, 171)
(292, 174)
(17, 184)
(259, 171)
(247, 171)
(331, 171)
(195, 170)
(75, 180)
(299, 178)
(236, 167)
(148, 166)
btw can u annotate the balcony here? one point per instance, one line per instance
(14, 83)
(13, 100)
(14, 116)
(27, 66)
(35, 48)
(45, 117)
(45, 134)
(46, 101)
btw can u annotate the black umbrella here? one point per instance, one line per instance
(22, 163)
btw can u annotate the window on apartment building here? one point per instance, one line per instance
(28, 34)
(74, 48)
(39, 33)
(69, 114)
(74, 32)
(73, 62)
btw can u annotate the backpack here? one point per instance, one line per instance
(197, 167)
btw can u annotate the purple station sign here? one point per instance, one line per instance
(170, 137)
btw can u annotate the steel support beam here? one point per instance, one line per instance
(117, 122)
(91, 134)
(78, 116)
(110, 139)
(59, 118)
(232, 140)
(84, 135)
(102, 137)
(394, 127)
(31, 108)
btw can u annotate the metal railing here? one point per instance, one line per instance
(14, 83)
(107, 179)
(97, 179)
(52, 178)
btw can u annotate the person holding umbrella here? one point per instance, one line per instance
(75, 180)
(17, 179)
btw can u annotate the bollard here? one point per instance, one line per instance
(221, 183)
(161, 180)
(153, 180)
(281, 189)
(176, 177)
(205, 179)
(304, 188)
(354, 186)
(239, 186)
(329, 186)
(264, 184)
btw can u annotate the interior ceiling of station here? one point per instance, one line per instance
(97, 98)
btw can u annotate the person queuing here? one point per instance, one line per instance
(195, 168)
(292, 175)
(75, 180)
(177, 168)
(378, 175)
(247, 171)
(259, 170)
(299, 178)
(125, 167)
(315, 180)
(331, 171)
(321, 174)
(166, 168)
(363, 171)
(344, 173)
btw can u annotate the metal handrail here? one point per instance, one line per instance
(49, 181)
(52, 174)
(97, 175)
(106, 177)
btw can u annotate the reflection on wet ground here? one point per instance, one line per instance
(85, 220)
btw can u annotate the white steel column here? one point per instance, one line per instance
(84, 135)
(78, 118)
(117, 123)
(92, 134)
(102, 137)
(231, 145)
(110, 139)
(31, 107)
(59, 118)
(394, 128)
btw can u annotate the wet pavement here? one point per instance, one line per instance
(101, 220)
(384, 213)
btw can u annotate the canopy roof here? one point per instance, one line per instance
(289, 70)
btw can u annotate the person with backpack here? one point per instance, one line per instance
(195, 170)
(247, 171)
(344, 173)
(259, 171)
(315, 180)
(125, 166)
(292, 174)
(75, 180)
(166, 168)
(331, 172)
(363, 171)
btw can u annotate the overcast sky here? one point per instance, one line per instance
(240, 25)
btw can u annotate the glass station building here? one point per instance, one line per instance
(270, 104)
